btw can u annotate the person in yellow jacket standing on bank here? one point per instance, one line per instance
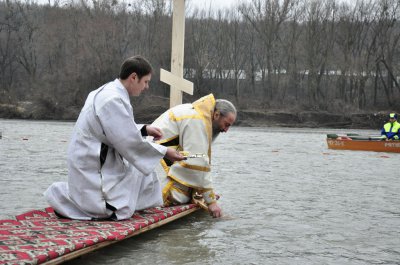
(391, 130)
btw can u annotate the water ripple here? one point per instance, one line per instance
(286, 197)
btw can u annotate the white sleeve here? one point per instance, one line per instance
(124, 135)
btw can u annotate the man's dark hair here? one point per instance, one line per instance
(136, 64)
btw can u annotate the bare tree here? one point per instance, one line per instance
(267, 17)
(293, 53)
(199, 46)
(27, 41)
(236, 48)
(319, 40)
(353, 44)
(8, 55)
(387, 37)
(291, 45)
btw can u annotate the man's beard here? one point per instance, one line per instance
(215, 132)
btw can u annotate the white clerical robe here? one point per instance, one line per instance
(187, 127)
(127, 180)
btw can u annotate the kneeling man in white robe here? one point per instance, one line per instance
(110, 165)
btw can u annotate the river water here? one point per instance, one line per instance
(287, 199)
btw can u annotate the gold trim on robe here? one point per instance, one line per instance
(191, 124)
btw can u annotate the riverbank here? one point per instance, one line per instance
(148, 110)
(312, 119)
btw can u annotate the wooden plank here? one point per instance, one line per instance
(40, 237)
(90, 249)
(174, 81)
(175, 78)
(178, 47)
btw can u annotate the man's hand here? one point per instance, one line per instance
(154, 131)
(214, 210)
(173, 155)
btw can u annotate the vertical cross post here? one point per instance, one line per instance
(175, 77)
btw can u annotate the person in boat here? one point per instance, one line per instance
(391, 130)
(111, 167)
(191, 128)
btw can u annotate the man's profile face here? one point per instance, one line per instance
(138, 85)
(222, 123)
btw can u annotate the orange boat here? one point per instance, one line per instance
(347, 143)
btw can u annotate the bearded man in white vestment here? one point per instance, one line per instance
(110, 165)
(192, 128)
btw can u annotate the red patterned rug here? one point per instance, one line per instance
(39, 236)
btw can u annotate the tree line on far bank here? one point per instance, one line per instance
(267, 54)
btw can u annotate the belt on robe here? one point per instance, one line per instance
(103, 156)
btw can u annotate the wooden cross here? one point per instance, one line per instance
(175, 77)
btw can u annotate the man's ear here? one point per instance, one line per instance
(134, 76)
(216, 115)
